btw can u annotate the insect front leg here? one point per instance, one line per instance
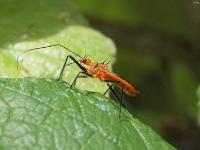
(63, 68)
(121, 101)
(65, 64)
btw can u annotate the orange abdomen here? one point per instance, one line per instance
(115, 79)
(128, 87)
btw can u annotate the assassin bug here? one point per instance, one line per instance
(93, 69)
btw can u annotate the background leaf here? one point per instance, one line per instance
(45, 113)
(184, 86)
(198, 95)
(153, 14)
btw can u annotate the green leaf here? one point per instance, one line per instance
(43, 23)
(198, 95)
(46, 114)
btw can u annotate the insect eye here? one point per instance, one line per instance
(84, 60)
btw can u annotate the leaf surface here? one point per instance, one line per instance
(45, 113)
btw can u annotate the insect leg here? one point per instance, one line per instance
(78, 76)
(120, 100)
(65, 64)
(111, 81)
(108, 87)
(63, 68)
(115, 94)
(106, 91)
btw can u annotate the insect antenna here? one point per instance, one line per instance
(85, 56)
(37, 48)
(104, 61)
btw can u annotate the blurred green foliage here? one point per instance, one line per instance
(170, 16)
(25, 20)
(184, 85)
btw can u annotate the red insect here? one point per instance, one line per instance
(101, 71)
(97, 70)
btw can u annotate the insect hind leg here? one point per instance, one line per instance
(120, 100)
(84, 75)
